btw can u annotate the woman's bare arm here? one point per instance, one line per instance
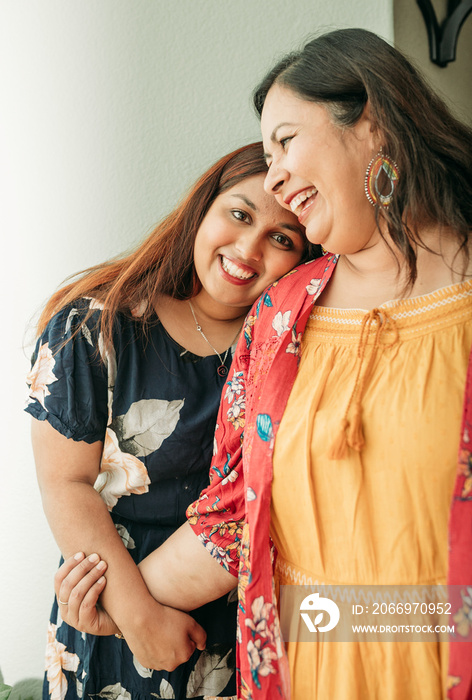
(183, 574)
(80, 521)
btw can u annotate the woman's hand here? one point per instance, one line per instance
(163, 639)
(78, 584)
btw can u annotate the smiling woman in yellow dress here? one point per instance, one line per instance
(356, 383)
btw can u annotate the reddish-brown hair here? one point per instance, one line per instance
(164, 262)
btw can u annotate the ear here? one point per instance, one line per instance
(367, 130)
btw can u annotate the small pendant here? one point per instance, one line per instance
(222, 370)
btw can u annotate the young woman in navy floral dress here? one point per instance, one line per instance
(124, 391)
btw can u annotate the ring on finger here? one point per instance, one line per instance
(62, 602)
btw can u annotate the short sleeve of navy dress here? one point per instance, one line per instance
(154, 406)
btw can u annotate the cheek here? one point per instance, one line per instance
(208, 237)
(301, 162)
(201, 252)
(279, 264)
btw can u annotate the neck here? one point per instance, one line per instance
(379, 273)
(210, 311)
(220, 324)
(376, 262)
(377, 270)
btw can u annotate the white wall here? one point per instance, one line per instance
(109, 109)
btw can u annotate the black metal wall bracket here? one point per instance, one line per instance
(443, 38)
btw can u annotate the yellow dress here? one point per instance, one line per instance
(378, 516)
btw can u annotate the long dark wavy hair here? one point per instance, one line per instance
(347, 68)
(164, 262)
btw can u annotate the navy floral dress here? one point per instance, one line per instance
(154, 406)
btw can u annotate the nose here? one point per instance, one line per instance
(249, 246)
(275, 179)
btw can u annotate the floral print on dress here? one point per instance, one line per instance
(58, 660)
(138, 433)
(166, 692)
(146, 424)
(265, 429)
(251, 495)
(295, 344)
(260, 658)
(264, 300)
(236, 398)
(245, 691)
(142, 670)
(221, 554)
(236, 412)
(211, 673)
(121, 474)
(154, 410)
(274, 359)
(465, 471)
(126, 538)
(280, 323)
(84, 329)
(314, 286)
(247, 330)
(463, 617)
(114, 692)
(229, 530)
(244, 570)
(41, 375)
(235, 387)
(452, 682)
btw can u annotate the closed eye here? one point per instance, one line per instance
(283, 142)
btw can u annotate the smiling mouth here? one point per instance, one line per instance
(234, 270)
(302, 200)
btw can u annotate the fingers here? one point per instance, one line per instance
(198, 636)
(79, 583)
(72, 572)
(195, 639)
(64, 570)
(173, 659)
(82, 606)
(169, 640)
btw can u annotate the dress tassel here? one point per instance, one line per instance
(338, 449)
(356, 434)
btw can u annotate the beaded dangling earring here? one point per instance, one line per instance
(381, 178)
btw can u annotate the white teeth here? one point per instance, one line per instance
(232, 269)
(300, 198)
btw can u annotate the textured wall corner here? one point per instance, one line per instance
(454, 81)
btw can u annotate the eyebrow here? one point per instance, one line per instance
(246, 200)
(292, 227)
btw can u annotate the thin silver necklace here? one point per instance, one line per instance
(222, 369)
